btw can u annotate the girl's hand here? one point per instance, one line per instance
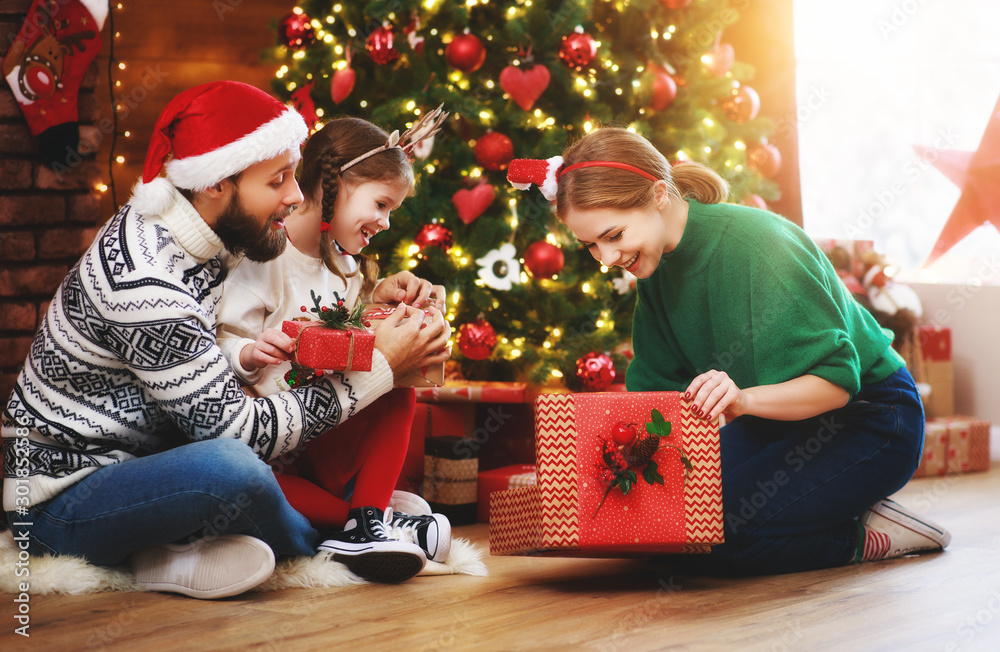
(272, 347)
(714, 393)
(405, 287)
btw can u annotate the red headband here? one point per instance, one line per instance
(607, 164)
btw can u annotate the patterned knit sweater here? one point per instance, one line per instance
(125, 364)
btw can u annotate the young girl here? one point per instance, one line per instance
(738, 309)
(353, 176)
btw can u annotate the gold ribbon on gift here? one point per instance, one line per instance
(314, 324)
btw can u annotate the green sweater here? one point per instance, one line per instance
(749, 293)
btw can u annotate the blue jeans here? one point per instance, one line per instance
(792, 490)
(200, 489)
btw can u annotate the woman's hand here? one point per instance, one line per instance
(410, 339)
(714, 393)
(272, 347)
(405, 287)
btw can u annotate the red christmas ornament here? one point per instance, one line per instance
(675, 4)
(470, 204)
(434, 235)
(662, 88)
(303, 103)
(742, 105)
(543, 259)
(296, 31)
(596, 371)
(624, 434)
(764, 158)
(755, 200)
(342, 82)
(477, 339)
(380, 45)
(465, 52)
(577, 49)
(525, 84)
(719, 60)
(494, 151)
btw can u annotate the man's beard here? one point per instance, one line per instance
(242, 234)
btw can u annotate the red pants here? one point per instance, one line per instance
(370, 447)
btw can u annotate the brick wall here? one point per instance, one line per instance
(47, 219)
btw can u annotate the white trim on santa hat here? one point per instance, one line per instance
(98, 10)
(284, 133)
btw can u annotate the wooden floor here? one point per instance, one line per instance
(948, 601)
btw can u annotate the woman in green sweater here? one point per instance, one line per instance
(740, 310)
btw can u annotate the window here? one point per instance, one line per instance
(874, 79)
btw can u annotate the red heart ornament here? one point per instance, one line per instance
(525, 86)
(470, 204)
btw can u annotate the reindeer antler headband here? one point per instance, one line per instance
(428, 125)
(523, 172)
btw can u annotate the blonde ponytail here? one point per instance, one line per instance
(699, 182)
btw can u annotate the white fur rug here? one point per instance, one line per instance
(74, 576)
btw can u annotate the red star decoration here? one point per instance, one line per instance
(977, 174)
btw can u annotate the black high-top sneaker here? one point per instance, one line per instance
(366, 549)
(432, 532)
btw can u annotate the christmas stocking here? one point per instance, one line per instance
(45, 65)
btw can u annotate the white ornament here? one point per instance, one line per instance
(624, 283)
(510, 269)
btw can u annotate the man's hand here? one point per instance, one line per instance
(409, 339)
(272, 347)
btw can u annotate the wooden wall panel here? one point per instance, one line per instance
(168, 48)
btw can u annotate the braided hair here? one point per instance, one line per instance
(336, 143)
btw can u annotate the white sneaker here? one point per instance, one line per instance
(432, 532)
(213, 567)
(906, 532)
(409, 503)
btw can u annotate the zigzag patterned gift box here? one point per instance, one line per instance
(563, 516)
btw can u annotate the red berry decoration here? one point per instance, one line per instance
(477, 339)
(596, 371)
(543, 259)
(296, 31)
(494, 151)
(380, 45)
(577, 50)
(624, 433)
(465, 52)
(434, 235)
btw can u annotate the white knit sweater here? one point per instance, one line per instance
(262, 295)
(125, 364)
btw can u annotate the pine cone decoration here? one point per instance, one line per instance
(643, 450)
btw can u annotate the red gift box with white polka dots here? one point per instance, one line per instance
(563, 514)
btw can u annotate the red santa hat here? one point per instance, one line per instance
(214, 131)
(522, 172)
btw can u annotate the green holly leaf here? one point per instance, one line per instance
(659, 425)
(625, 485)
(651, 473)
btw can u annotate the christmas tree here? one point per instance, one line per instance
(522, 79)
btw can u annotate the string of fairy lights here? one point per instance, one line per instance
(585, 84)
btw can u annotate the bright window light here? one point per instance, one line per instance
(874, 79)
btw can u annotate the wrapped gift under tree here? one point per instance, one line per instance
(955, 444)
(619, 474)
